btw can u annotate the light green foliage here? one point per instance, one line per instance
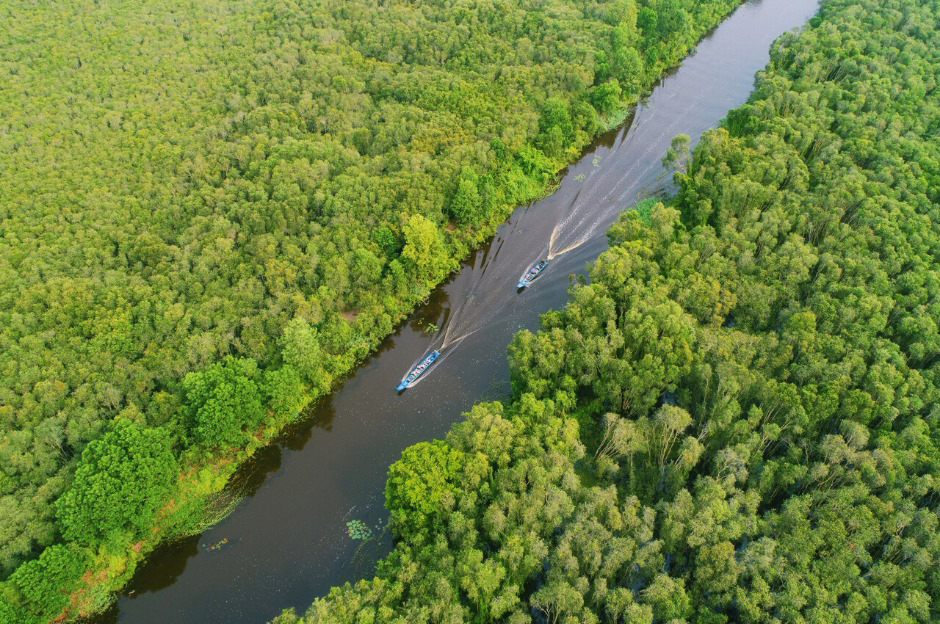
(421, 485)
(185, 191)
(121, 480)
(301, 351)
(753, 371)
(283, 392)
(677, 156)
(423, 247)
(223, 401)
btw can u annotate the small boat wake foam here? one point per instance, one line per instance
(412, 377)
(529, 276)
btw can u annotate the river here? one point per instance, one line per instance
(286, 539)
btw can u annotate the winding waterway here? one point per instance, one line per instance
(286, 541)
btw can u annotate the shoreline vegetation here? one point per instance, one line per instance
(190, 263)
(735, 419)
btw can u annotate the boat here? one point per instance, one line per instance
(417, 371)
(532, 273)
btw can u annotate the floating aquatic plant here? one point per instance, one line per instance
(358, 530)
(218, 545)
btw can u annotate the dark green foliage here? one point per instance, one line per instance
(607, 97)
(387, 241)
(555, 128)
(224, 400)
(736, 419)
(644, 209)
(122, 479)
(39, 589)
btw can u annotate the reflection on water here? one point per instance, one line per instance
(288, 541)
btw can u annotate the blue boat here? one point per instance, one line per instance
(417, 371)
(532, 273)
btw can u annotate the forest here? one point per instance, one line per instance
(735, 419)
(212, 210)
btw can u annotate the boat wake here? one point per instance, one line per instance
(591, 196)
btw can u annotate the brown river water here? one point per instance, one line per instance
(286, 541)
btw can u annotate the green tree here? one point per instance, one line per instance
(283, 392)
(421, 485)
(121, 481)
(423, 247)
(43, 585)
(387, 241)
(300, 348)
(466, 204)
(677, 156)
(607, 97)
(556, 131)
(222, 401)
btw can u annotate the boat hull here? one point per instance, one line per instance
(533, 272)
(414, 374)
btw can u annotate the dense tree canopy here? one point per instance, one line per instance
(41, 587)
(222, 401)
(211, 210)
(736, 419)
(121, 480)
(419, 484)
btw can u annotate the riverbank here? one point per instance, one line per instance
(202, 477)
(201, 483)
(290, 531)
(704, 432)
